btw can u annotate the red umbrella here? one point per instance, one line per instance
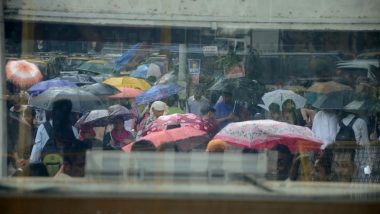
(264, 134)
(127, 93)
(182, 120)
(186, 138)
(23, 73)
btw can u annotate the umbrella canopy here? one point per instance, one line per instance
(103, 117)
(264, 134)
(22, 73)
(182, 120)
(186, 138)
(127, 93)
(101, 89)
(79, 79)
(82, 101)
(328, 87)
(45, 85)
(128, 82)
(333, 100)
(158, 92)
(144, 71)
(280, 96)
(96, 66)
(243, 89)
(367, 106)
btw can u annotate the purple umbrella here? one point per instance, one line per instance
(45, 85)
(158, 92)
(103, 117)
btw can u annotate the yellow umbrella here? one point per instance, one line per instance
(328, 87)
(128, 82)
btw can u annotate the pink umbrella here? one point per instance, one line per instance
(23, 73)
(264, 134)
(186, 138)
(181, 120)
(127, 93)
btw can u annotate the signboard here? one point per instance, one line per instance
(235, 71)
(210, 50)
(194, 66)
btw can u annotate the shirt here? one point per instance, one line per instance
(194, 106)
(325, 127)
(41, 139)
(223, 109)
(359, 127)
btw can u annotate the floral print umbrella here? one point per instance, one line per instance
(180, 120)
(265, 134)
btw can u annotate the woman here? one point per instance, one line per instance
(291, 115)
(157, 110)
(118, 137)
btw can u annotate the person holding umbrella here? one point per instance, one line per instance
(157, 109)
(118, 137)
(226, 109)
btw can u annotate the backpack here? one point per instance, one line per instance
(51, 155)
(346, 133)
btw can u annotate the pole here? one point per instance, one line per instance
(182, 73)
(3, 110)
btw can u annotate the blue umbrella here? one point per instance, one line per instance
(158, 92)
(45, 85)
(140, 72)
(124, 59)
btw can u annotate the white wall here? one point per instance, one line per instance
(258, 14)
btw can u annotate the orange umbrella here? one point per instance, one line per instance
(186, 138)
(23, 73)
(127, 93)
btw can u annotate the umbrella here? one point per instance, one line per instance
(96, 66)
(101, 89)
(82, 101)
(333, 100)
(158, 92)
(45, 85)
(182, 120)
(127, 93)
(127, 56)
(144, 71)
(186, 138)
(280, 96)
(327, 87)
(368, 106)
(168, 78)
(264, 134)
(103, 117)
(23, 73)
(128, 82)
(79, 79)
(241, 88)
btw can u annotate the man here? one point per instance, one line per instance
(352, 128)
(325, 127)
(226, 109)
(197, 102)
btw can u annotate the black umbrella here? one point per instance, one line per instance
(82, 101)
(79, 79)
(333, 100)
(101, 89)
(243, 89)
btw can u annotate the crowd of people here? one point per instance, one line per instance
(46, 143)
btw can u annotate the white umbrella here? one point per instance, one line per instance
(280, 96)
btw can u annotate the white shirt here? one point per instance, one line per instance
(325, 127)
(41, 139)
(359, 127)
(194, 106)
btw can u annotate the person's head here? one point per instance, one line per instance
(74, 159)
(198, 93)
(274, 110)
(216, 146)
(143, 146)
(284, 161)
(172, 100)
(288, 105)
(158, 109)
(168, 147)
(343, 165)
(249, 151)
(61, 116)
(227, 96)
(118, 123)
(36, 170)
(208, 112)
